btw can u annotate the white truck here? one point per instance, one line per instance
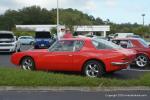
(8, 42)
(123, 35)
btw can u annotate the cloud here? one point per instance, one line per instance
(111, 3)
(85, 6)
(90, 5)
(42, 3)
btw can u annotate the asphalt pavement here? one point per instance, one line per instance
(75, 95)
(5, 57)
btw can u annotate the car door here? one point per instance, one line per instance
(60, 57)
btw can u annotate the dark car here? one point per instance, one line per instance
(140, 46)
(43, 39)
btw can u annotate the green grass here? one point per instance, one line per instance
(18, 77)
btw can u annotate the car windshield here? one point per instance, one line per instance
(6, 36)
(26, 38)
(143, 42)
(104, 44)
(42, 35)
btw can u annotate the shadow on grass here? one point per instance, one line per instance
(123, 74)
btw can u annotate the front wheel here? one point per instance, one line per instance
(32, 43)
(93, 68)
(27, 63)
(142, 61)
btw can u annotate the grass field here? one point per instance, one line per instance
(18, 77)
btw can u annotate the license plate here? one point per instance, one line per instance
(42, 45)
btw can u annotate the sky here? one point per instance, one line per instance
(118, 11)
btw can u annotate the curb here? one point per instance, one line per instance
(83, 89)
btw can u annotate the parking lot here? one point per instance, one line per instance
(5, 57)
(130, 73)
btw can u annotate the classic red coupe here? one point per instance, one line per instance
(140, 46)
(93, 57)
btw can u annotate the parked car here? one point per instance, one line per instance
(43, 39)
(90, 56)
(8, 42)
(133, 36)
(26, 40)
(140, 45)
(121, 35)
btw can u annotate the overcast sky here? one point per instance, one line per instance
(118, 11)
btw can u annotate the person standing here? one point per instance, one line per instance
(61, 33)
(68, 34)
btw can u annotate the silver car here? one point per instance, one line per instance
(26, 40)
(8, 42)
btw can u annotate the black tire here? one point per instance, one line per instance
(142, 61)
(96, 70)
(36, 47)
(18, 50)
(27, 63)
(32, 43)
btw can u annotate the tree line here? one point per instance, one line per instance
(69, 17)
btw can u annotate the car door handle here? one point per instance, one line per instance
(70, 55)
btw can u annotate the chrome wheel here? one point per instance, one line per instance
(93, 69)
(27, 63)
(141, 61)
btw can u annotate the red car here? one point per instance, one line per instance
(140, 46)
(90, 56)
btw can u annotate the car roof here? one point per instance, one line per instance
(126, 39)
(76, 38)
(25, 36)
(6, 32)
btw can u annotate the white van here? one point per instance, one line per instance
(8, 42)
(122, 35)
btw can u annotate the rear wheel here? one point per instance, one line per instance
(27, 63)
(142, 61)
(93, 68)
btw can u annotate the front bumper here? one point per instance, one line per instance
(8, 49)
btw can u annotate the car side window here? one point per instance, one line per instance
(116, 42)
(124, 43)
(100, 45)
(78, 45)
(63, 46)
(22, 38)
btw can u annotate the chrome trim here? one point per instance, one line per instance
(120, 63)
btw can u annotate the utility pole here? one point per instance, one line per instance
(58, 35)
(143, 15)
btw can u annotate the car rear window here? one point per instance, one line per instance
(143, 42)
(42, 35)
(104, 44)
